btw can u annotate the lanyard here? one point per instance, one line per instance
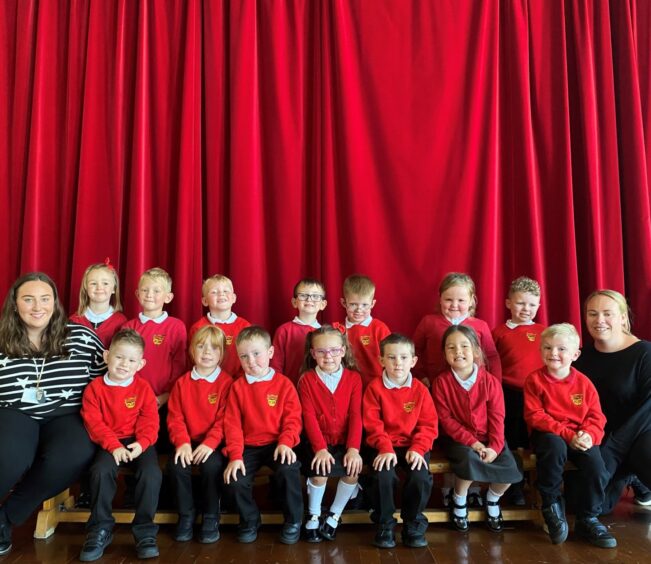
(39, 373)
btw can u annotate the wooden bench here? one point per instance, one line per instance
(61, 508)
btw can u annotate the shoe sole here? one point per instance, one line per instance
(145, 555)
(209, 540)
(183, 538)
(5, 550)
(384, 545)
(247, 540)
(643, 503)
(289, 540)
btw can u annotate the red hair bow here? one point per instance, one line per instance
(339, 327)
(107, 262)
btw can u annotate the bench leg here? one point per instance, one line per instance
(48, 517)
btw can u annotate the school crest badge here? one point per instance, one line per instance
(409, 406)
(130, 403)
(229, 340)
(212, 398)
(577, 399)
(366, 340)
(158, 339)
(531, 337)
(272, 399)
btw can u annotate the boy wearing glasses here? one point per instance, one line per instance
(364, 332)
(289, 340)
(218, 296)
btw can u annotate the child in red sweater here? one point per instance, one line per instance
(363, 331)
(119, 412)
(470, 406)
(219, 296)
(401, 425)
(196, 427)
(561, 406)
(100, 308)
(289, 339)
(331, 395)
(262, 425)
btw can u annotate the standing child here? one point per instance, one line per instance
(561, 406)
(289, 339)
(401, 425)
(196, 427)
(99, 302)
(261, 426)
(219, 296)
(119, 412)
(331, 396)
(470, 406)
(364, 332)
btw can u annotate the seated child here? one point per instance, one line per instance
(363, 331)
(218, 296)
(120, 415)
(401, 425)
(561, 406)
(262, 425)
(331, 396)
(470, 406)
(289, 339)
(196, 427)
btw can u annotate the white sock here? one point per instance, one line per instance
(344, 493)
(315, 497)
(459, 500)
(312, 523)
(492, 510)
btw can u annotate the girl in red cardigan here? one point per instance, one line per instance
(470, 406)
(331, 397)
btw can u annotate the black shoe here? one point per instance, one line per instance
(209, 532)
(415, 540)
(384, 538)
(495, 524)
(313, 535)
(554, 516)
(83, 500)
(516, 495)
(459, 523)
(290, 533)
(184, 528)
(95, 544)
(641, 492)
(475, 500)
(248, 532)
(329, 532)
(147, 548)
(595, 532)
(5, 533)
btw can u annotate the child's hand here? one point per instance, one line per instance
(585, 439)
(121, 455)
(183, 454)
(478, 447)
(201, 454)
(285, 454)
(353, 462)
(488, 455)
(577, 442)
(322, 462)
(162, 399)
(135, 450)
(231, 470)
(386, 460)
(415, 459)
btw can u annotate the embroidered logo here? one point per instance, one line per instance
(577, 399)
(531, 337)
(366, 340)
(409, 406)
(212, 398)
(229, 340)
(130, 403)
(158, 339)
(272, 399)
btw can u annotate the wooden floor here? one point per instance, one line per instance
(522, 542)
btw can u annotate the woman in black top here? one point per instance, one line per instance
(45, 364)
(619, 365)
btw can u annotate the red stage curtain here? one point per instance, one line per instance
(269, 140)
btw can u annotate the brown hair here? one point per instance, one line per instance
(253, 332)
(360, 285)
(309, 362)
(309, 282)
(468, 333)
(525, 285)
(128, 337)
(397, 339)
(210, 333)
(84, 300)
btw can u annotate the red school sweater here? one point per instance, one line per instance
(332, 419)
(399, 417)
(563, 407)
(365, 342)
(104, 330)
(111, 413)
(519, 350)
(230, 363)
(289, 349)
(196, 410)
(260, 414)
(470, 416)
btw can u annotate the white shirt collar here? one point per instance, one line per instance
(144, 319)
(98, 317)
(364, 323)
(457, 320)
(268, 376)
(315, 324)
(470, 381)
(512, 325)
(391, 385)
(331, 381)
(122, 384)
(231, 319)
(212, 377)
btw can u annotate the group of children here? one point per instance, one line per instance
(323, 400)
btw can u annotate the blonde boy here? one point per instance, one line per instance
(219, 296)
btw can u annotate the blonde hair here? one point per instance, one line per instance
(566, 330)
(208, 333)
(452, 279)
(621, 302)
(360, 285)
(84, 300)
(157, 273)
(214, 279)
(525, 285)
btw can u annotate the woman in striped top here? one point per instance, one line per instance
(45, 364)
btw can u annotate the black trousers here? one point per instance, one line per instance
(515, 428)
(211, 483)
(552, 452)
(39, 459)
(415, 492)
(288, 480)
(103, 484)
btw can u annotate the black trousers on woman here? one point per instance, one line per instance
(39, 459)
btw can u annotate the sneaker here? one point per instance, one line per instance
(95, 544)
(248, 532)
(5, 533)
(414, 540)
(209, 532)
(184, 528)
(290, 533)
(384, 538)
(147, 548)
(642, 493)
(554, 516)
(595, 532)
